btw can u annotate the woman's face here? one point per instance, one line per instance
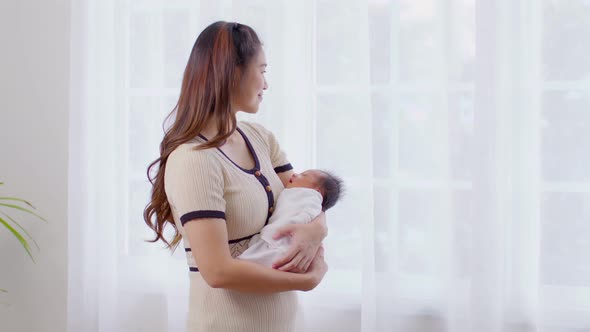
(252, 85)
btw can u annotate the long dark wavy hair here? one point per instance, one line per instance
(214, 69)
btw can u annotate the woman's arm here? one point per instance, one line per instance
(208, 240)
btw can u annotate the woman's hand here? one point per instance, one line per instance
(317, 270)
(305, 242)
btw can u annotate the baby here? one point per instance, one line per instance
(306, 195)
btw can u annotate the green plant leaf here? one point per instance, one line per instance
(16, 199)
(20, 238)
(22, 209)
(21, 228)
(3, 290)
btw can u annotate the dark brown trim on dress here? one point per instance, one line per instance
(250, 148)
(200, 215)
(243, 238)
(232, 241)
(284, 168)
(254, 171)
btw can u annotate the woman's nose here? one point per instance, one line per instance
(265, 85)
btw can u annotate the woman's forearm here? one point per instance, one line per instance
(250, 277)
(208, 239)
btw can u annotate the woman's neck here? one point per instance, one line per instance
(211, 131)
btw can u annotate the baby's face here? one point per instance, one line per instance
(308, 179)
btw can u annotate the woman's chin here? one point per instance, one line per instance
(254, 109)
(249, 110)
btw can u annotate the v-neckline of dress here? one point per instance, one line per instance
(250, 149)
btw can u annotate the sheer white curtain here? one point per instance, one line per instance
(459, 126)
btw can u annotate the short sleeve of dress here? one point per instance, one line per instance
(194, 184)
(278, 158)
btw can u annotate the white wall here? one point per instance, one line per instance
(34, 98)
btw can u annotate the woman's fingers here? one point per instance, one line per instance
(285, 259)
(319, 255)
(302, 251)
(321, 251)
(293, 264)
(309, 263)
(303, 265)
(306, 264)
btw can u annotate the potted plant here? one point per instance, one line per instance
(8, 204)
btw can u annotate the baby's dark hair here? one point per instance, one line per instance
(332, 188)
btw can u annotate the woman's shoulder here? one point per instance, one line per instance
(252, 126)
(256, 129)
(188, 149)
(186, 170)
(187, 154)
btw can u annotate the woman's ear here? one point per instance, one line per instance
(237, 79)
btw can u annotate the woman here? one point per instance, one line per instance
(216, 184)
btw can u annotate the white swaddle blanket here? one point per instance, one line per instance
(294, 206)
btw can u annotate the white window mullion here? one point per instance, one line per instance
(485, 270)
(394, 139)
(453, 288)
(314, 71)
(365, 123)
(528, 165)
(122, 42)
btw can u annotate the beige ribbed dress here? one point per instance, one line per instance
(208, 184)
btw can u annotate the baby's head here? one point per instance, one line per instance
(328, 185)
